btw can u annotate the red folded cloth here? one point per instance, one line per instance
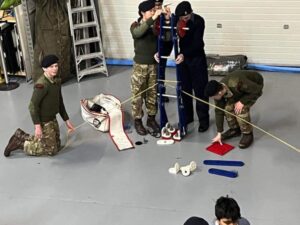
(219, 149)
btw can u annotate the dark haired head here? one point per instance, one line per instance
(227, 208)
(196, 221)
(212, 88)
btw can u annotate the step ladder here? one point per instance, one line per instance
(87, 44)
(182, 126)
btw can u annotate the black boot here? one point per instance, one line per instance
(152, 124)
(246, 140)
(203, 127)
(16, 142)
(140, 129)
(230, 133)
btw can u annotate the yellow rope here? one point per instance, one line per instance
(262, 130)
(168, 81)
(68, 132)
(198, 99)
(135, 96)
(127, 100)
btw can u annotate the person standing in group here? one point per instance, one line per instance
(46, 102)
(144, 67)
(235, 93)
(194, 66)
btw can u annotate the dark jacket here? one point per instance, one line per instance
(192, 44)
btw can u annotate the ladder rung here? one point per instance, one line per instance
(87, 40)
(88, 71)
(84, 25)
(82, 9)
(89, 56)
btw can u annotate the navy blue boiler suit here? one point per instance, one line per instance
(194, 69)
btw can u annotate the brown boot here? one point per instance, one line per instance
(16, 142)
(246, 140)
(230, 133)
(152, 124)
(140, 129)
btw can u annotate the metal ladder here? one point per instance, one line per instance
(85, 32)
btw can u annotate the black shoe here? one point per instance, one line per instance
(203, 127)
(139, 127)
(230, 133)
(246, 140)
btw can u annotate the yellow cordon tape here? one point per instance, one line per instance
(200, 100)
(257, 127)
(127, 100)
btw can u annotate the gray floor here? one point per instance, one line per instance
(92, 183)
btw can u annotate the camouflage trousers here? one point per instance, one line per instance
(143, 77)
(234, 122)
(49, 144)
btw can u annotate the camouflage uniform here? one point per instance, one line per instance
(45, 103)
(143, 77)
(49, 144)
(244, 86)
(144, 68)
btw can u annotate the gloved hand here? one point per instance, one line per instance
(180, 25)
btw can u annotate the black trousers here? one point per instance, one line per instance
(194, 79)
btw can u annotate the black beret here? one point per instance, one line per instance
(212, 88)
(146, 6)
(48, 60)
(183, 8)
(196, 221)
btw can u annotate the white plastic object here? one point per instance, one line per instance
(175, 169)
(177, 136)
(165, 133)
(165, 142)
(186, 170)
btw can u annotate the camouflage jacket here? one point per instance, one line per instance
(246, 86)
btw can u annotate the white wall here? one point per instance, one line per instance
(253, 28)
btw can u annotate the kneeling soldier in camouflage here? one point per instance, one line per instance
(45, 103)
(235, 93)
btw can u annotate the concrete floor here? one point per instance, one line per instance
(92, 183)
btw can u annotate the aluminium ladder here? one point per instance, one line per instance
(87, 44)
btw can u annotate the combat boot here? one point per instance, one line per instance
(246, 140)
(152, 124)
(230, 133)
(140, 129)
(16, 142)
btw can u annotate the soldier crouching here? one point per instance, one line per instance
(236, 93)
